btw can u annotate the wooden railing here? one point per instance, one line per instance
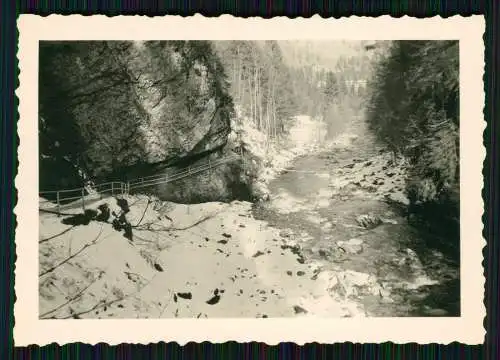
(74, 198)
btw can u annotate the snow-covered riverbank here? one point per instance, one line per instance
(206, 260)
(271, 157)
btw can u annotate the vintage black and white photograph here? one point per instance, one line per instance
(299, 177)
(249, 179)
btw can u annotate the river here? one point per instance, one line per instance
(401, 270)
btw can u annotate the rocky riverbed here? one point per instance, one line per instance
(345, 209)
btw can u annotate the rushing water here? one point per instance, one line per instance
(416, 274)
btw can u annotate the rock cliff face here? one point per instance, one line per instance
(110, 107)
(225, 182)
(183, 94)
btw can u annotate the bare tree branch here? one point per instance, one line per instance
(55, 212)
(54, 236)
(73, 298)
(45, 272)
(108, 303)
(144, 213)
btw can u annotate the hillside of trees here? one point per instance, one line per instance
(333, 74)
(259, 83)
(272, 81)
(414, 109)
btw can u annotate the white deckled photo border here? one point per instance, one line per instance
(466, 329)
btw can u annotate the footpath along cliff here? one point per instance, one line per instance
(112, 111)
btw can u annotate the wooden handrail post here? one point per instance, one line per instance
(58, 205)
(112, 188)
(83, 199)
(121, 188)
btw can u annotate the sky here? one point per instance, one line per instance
(324, 53)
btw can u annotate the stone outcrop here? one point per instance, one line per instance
(117, 110)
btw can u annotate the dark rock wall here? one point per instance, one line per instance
(114, 110)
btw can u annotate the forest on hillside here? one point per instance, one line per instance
(273, 81)
(414, 109)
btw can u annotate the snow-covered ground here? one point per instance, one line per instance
(205, 260)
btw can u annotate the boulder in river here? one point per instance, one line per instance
(368, 221)
(356, 278)
(323, 253)
(355, 283)
(352, 246)
(285, 233)
(398, 197)
(385, 294)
